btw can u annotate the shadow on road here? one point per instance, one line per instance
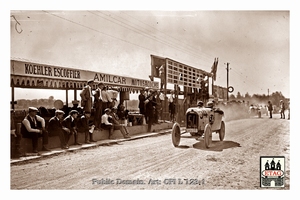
(216, 145)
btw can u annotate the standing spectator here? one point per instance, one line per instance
(33, 126)
(71, 129)
(83, 126)
(86, 97)
(55, 127)
(106, 124)
(142, 99)
(113, 94)
(116, 123)
(282, 109)
(98, 105)
(106, 99)
(15, 138)
(172, 107)
(150, 108)
(270, 108)
(157, 106)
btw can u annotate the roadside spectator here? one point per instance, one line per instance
(150, 108)
(116, 123)
(83, 126)
(55, 127)
(106, 124)
(106, 99)
(282, 109)
(98, 105)
(142, 99)
(113, 94)
(122, 113)
(86, 96)
(15, 138)
(71, 129)
(158, 107)
(76, 107)
(172, 107)
(270, 108)
(33, 127)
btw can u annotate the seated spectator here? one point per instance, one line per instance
(83, 126)
(33, 127)
(105, 122)
(116, 123)
(122, 113)
(55, 127)
(70, 123)
(15, 138)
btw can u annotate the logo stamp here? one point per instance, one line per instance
(272, 171)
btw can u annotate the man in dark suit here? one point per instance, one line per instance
(70, 123)
(142, 99)
(84, 127)
(55, 127)
(98, 101)
(270, 108)
(150, 108)
(33, 127)
(86, 96)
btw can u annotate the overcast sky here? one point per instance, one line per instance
(255, 43)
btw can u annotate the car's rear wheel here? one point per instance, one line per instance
(222, 131)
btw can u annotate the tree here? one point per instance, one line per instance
(232, 96)
(239, 96)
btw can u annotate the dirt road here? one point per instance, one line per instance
(153, 162)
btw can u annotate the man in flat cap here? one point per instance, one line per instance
(86, 96)
(84, 127)
(105, 122)
(71, 129)
(55, 127)
(33, 126)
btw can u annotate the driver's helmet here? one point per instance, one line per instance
(200, 103)
(210, 104)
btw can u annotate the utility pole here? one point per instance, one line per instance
(227, 69)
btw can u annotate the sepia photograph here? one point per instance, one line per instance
(113, 98)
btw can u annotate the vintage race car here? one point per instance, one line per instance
(201, 122)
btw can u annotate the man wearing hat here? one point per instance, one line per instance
(33, 126)
(86, 96)
(71, 129)
(105, 123)
(84, 127)
(55, 127)
(76, 106)
(150, 104)
(98, 104)
(142, 99)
